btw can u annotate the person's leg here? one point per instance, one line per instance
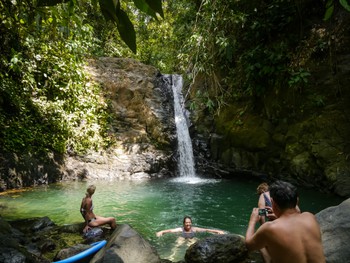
(100, 220)
(266, 255)
(176, 248)
(191, 241)
(113, 223)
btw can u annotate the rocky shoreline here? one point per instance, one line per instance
(40, 240)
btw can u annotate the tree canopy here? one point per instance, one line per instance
(235, 48)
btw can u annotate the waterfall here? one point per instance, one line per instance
(186, 159)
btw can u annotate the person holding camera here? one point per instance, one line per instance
(292, 236)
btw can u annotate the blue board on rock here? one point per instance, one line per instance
(86, 253)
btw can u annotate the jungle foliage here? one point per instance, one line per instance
(236, 48)
(46, 101)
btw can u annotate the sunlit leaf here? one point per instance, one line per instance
(126, 30)
(144, 7)
(156, 5)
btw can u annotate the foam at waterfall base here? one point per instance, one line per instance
(193, 180)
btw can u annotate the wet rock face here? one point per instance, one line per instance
(27, 170)
(298, 135)
(311, 152)
(143, 123)
(141, 103)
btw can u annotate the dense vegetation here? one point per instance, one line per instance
(237, 48)
(47, 103)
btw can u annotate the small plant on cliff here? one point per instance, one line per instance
(298, 79)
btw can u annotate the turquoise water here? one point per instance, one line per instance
(151, 206)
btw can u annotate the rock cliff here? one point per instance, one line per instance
(299, 135)
(142, 131)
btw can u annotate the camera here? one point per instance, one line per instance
(263, 212)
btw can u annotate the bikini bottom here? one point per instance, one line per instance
(91, 220)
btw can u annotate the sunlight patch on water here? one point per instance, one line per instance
(193, 180)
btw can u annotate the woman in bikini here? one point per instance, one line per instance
(187, 237)
(265, 203)
(188, 231)
(264, 200)
(86, 210)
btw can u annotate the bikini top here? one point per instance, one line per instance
(187, 234)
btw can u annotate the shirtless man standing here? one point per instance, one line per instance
(292, 237)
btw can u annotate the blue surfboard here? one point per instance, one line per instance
(88, 252)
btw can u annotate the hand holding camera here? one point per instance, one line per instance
(263, 212)
(267, 212)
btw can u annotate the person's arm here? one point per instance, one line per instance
(255, 240)
(261, 205)
(173, 230)
(270, 214)
(215, 231)
(82, 208)
(88, 204)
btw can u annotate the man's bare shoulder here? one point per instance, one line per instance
(307, 214)
(270, 226)
(309, 221)
(308, 217)
(277, 226)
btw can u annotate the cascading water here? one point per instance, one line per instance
(186, 160)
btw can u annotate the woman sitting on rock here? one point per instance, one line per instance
(86, 210)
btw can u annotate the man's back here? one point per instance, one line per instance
(293, 237)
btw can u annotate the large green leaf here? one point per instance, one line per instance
(329, 10)
(345, 4)
(144, 7)
(126, 29)
(156, 5)
(109, 9)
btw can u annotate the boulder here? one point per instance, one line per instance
(228, 248)
(335, 228)
(42, 223)
(11, 255)
(126, 246)
(70, 251)
(12, 249)
(94, 232)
